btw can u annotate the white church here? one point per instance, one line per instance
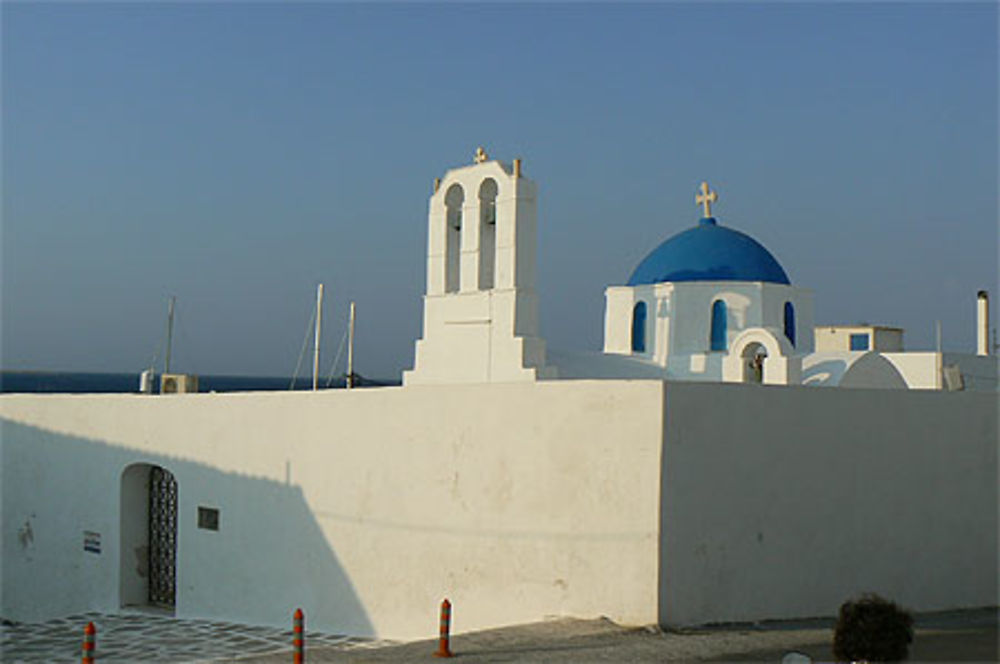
(709, 304)
(720, 459)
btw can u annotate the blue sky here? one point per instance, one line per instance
(236, 154)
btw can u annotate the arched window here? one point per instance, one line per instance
(718, 338)
(453, 201)
(487, 232)
(639, 328)
(790, 322)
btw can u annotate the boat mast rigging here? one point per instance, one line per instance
(349, 381)
(319, 325)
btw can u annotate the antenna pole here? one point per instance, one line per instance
(350, 351)
(170, 332)
(319, 323)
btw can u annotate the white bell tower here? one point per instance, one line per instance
(481, 309)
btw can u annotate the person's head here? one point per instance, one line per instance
(872, 629)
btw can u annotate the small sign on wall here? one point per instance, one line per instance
(208, 518)
(91, 541)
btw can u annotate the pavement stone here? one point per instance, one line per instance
(149, 637)
(960, 636)
(957, 636)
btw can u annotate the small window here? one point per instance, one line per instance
(718, 332)
(639, 328)
(860, 341)
(208, 518)
(790, 322)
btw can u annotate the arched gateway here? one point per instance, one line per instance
(148, 553)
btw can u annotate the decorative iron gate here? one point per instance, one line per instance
(162, 537)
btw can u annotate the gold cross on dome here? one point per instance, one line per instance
(481, 155)
(706, 198)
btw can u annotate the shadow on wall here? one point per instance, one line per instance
(826, 373)
(70, 541)
(868, 370)
(800, 498)
(873, 370)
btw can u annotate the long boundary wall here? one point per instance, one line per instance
(643, 501)
(364, 507)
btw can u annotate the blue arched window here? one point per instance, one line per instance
(639, 328)
(790, 322)
(718, 325)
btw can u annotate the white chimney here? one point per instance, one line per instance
(983, 324)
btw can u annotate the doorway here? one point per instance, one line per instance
(754, 355)
(148, 563)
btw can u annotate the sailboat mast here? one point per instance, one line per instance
(319, 323)
(350, 351)
(170, 333)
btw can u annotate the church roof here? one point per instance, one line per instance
(709, 252)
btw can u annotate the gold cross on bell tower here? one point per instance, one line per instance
(481, 155)
(706, 198)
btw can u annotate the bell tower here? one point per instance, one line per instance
(480, 308)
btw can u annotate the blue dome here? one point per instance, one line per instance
(709, 252)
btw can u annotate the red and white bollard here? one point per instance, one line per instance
(444, 639)
(89, 643)
(298, 637)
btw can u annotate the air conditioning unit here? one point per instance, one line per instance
(178, 383)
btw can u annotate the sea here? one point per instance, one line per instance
(100, 383)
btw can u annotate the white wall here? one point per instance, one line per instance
(365, 507)
(791, 500)
(638, 500)
(979, 372)
(838, 337)
(679, 316)
(749, 304)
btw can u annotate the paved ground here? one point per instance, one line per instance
(965, 636)
(149, 637)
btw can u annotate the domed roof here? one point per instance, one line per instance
(709, 252)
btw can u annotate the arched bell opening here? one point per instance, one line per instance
(454, 198)
(754, 356)
(487, 233)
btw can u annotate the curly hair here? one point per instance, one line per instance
(872, 629)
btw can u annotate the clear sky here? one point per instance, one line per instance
(237, 154)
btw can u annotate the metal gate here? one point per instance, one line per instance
(162, 537)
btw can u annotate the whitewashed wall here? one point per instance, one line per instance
(678, 327)
(781, 502)
(638, 500)
(366, 508)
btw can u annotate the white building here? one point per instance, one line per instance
(711, 303)
(859, 337)
(664, 492)
(708, 304)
